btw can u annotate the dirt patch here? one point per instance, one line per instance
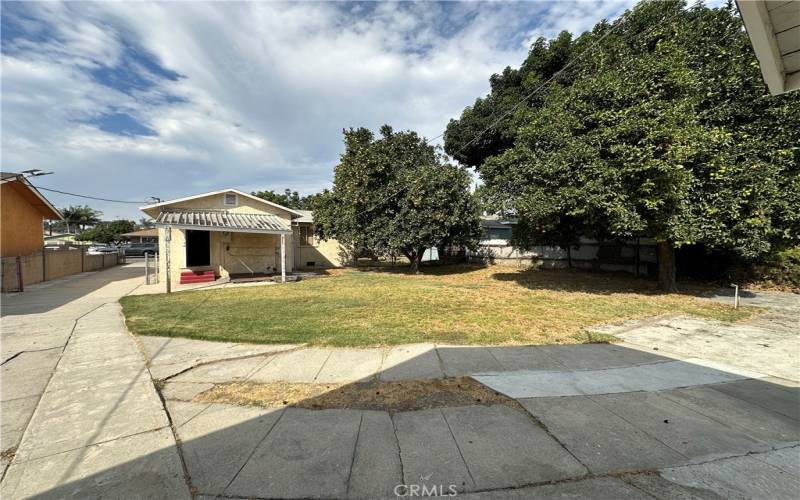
(405, 395)
(8, 454)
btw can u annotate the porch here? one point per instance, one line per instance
(207, 245)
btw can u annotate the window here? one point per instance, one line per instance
(306, 235)
(311, 263)
(498, 233)
(230, 199)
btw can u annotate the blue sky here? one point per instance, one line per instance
(132, 100)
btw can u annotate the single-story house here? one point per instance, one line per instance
(230, 233)
(149, 235)
(23, 209)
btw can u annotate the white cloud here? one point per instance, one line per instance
(265, 88)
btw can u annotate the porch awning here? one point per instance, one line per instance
(223, 220)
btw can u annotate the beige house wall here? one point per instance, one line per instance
(231, 252)
(323, 253)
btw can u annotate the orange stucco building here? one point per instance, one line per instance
(22, 210)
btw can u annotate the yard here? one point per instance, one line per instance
(452, 305)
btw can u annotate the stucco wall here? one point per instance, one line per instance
(21, 230)
(51, 264)
(323, 253)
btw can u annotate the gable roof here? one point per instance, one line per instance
(39, 201)
(212, 193)
(307, 216)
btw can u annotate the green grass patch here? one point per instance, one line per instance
(455, 304)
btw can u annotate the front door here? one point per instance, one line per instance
(198, 248)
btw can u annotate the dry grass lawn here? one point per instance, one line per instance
(404, 395)
(452, 304)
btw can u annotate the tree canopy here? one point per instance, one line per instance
(289, 198)
(108, 232)
(664, 129)
(396, 193)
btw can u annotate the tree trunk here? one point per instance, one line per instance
(416, 260)
(666, 266)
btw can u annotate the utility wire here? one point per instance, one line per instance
(525, 98)
(91, 197)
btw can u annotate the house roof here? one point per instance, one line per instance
(150, 232)
(212, 193)
(307, 216)
(34, 197)
(774, 30)
(223, 220)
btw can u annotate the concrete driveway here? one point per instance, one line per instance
(80, 415)
(587, 421)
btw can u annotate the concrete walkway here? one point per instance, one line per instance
(594, 421)
(80, 413)
(586, 421)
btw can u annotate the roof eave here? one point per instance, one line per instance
(759, 29)
(212, 193)
(225, 229)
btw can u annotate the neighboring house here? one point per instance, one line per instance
(142, 236)
(60, 239)
(230, 233)
(23, 209)
(495, 248)
(774, 30)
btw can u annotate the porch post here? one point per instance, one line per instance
(283, 258)
(168, 240)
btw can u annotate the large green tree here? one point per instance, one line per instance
(397, 194)
(108, 232)
(664, 130)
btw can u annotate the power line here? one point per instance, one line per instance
(92, 197)
(524, 99)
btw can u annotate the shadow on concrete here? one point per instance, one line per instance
(293, 453)
(69, 288)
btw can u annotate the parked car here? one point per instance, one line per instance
(100, 249)
(139, 249)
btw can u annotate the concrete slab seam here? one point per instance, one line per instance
(755, 403)
(757, 457)
(29, 351)
(323, 365)
(441, 361)
(570, 370)
(397, 444)
(466, 465)
(253, 451)
(49, 380)
(355, 449)
(665, 394)
(97, 443)
(610, 410)
(533, 418)
(187, 477)
(258, 367)
(235, 358)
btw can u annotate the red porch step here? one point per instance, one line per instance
(197, 277)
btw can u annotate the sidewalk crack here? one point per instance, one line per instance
(355, 450)
(466, 465)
